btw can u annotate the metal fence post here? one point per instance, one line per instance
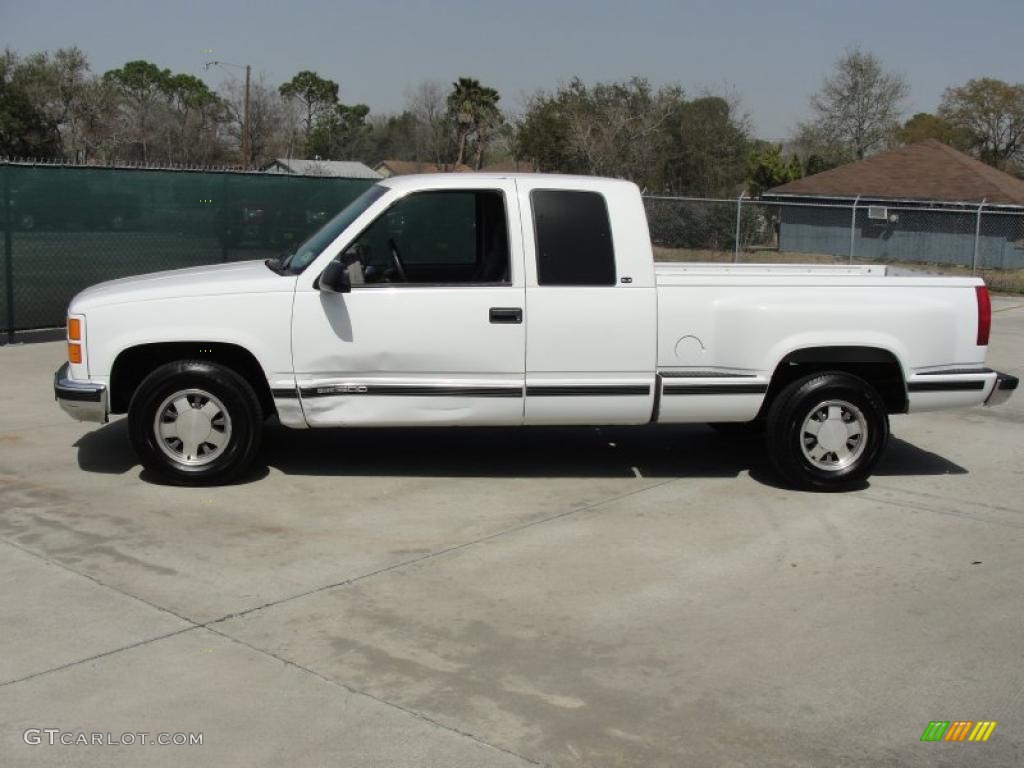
(977, 237)
(853, 226)
(739, 211)
(5, 171)
(226, 218)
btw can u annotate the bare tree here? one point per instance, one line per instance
(858, 107)
(273, 119)
(428, 103)
(101, 125)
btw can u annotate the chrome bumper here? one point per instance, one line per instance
(82, 400)
(1005, 384)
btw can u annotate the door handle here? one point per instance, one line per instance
(506, 315)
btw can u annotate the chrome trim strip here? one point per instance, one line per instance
(955, 371)
(587, 390)
(715, 389)
(704, 375)
(412, 390)
(946, 386)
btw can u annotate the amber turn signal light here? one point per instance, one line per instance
(74, 329)
(75, 353)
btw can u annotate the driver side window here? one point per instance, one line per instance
(438, 237)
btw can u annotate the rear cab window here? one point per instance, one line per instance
(573, 238)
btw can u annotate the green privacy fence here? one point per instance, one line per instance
(68, 227)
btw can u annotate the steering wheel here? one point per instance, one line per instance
(399, 267)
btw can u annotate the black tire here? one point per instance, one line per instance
(244, 421)
(786, 439)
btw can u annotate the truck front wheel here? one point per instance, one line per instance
(195, 422)
(826, 432)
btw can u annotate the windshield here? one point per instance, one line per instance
(301, 257)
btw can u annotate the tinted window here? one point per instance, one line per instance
(574, 238)
(456, 236)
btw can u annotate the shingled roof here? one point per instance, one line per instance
(926, 170)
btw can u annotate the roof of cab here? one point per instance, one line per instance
(468, 180)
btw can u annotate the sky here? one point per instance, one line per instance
(773, 56)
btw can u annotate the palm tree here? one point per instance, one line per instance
(474, 109)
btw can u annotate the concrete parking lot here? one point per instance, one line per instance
(568, 597)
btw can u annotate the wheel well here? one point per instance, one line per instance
(878, 367)
(135, 363)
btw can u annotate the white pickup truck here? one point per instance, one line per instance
(471, 299)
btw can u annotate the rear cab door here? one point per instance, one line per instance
(591, 313)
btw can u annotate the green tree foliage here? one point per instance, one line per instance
(543, 136)
(710, 143)
(766, 168)
(56, 85)
(316, 95)
(25, 128)
(991, 113)
(925, 125)
(856, 110)
(340, 133)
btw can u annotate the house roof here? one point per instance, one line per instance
(926, 170)
(349, 169)
(408, 167)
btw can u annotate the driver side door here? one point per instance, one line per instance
(432, 331)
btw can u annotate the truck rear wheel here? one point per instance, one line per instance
(195, 422)
(826, 432)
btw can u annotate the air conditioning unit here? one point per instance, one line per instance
(878, 213)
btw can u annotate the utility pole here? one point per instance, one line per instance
(246, 116)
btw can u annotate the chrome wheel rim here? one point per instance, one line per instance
(833, 435)
(192, 427)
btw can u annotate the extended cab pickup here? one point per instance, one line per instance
(471, 299)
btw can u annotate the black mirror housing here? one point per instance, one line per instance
(335, 279)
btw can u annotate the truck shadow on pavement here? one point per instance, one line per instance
(665, 451)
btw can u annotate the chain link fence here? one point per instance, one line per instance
(935, 236)
(68, 227)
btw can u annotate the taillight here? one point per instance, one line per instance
(984, 315)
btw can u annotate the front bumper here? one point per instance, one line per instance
(1005, 385)
(82, 400)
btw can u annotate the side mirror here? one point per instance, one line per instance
(335, 278)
